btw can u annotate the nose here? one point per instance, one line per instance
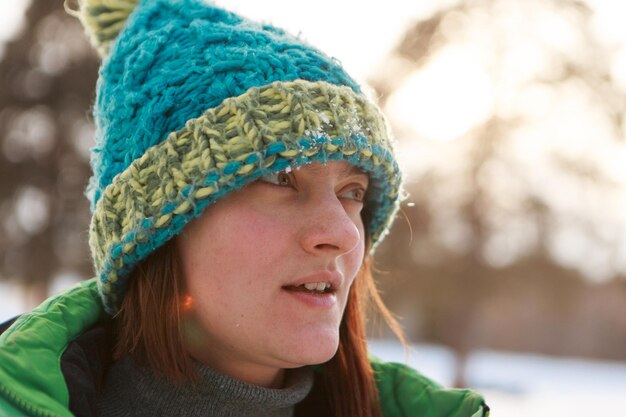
(328, 227)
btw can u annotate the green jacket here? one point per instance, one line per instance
(34, 367)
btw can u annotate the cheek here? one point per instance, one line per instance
(232, 272)
(352, 263)
(255, 240)
(356, 256)
(234, 255)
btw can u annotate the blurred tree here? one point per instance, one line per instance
(47, 78)
(522, 192)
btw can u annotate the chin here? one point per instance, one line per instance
(314, 350)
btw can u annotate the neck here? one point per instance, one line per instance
(250, 373)
(228, 362)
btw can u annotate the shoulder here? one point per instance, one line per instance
(31, 350)
(405, 392)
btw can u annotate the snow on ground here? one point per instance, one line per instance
(523, 384)
(11, 301)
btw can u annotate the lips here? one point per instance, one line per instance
(312, 287)
(325, 282)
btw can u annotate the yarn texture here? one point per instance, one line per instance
(193, 102)
(104, 20)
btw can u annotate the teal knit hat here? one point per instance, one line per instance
(194, 102)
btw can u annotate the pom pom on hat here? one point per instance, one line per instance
(103, 20)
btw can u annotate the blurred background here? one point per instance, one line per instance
(507, 265)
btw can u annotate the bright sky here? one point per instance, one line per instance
(11, 13)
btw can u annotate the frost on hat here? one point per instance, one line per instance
(193, 102)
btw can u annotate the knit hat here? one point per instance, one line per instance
(193, 102)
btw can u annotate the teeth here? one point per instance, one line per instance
(317, 286)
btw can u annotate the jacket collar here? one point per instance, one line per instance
(31, 378)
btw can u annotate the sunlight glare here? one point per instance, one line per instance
(450, 95)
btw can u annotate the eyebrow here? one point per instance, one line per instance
(353, 170)
(345, 172)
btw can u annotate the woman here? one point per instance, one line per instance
(241, 181)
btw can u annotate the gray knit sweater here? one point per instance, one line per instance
(130, 390)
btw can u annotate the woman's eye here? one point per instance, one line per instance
(357, 194)
(281, 178)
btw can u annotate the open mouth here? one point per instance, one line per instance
(318, 288)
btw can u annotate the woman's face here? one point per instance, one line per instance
(247, 263)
